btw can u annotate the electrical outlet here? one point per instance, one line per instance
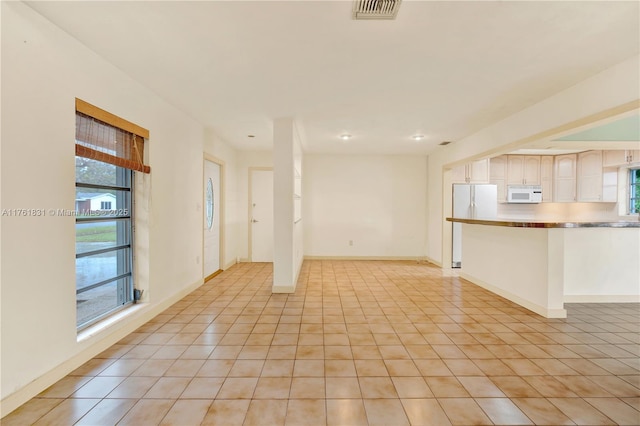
(197, 260)
(350, 242)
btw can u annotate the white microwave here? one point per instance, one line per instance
(524, 194)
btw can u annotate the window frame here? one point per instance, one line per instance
(124, 219)
(633, 188)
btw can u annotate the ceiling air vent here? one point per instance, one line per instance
(444, 143)
(375, 9)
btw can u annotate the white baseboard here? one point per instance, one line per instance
(415, 258)
(283, 289)
(229, 265)
(538, 309)
(104, 338)
(435, 262)
(602, 298)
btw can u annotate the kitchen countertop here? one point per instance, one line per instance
(524, 223)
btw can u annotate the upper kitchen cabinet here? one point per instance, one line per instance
(594, 183)
(620, 157)
(498, 176)
(584, 177)
(474, 172)
(546, 177)
(523, 170)
(564, 171)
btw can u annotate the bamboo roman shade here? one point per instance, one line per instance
(105, 137)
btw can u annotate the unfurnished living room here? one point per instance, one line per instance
(367, 212)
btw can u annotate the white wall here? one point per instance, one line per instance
(43, 71)
(560, 211)
(541, 268)
(611, 88)
(378, 202)
(601, 265)
(524, 265)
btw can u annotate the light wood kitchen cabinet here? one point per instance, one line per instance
(459, 174)
(523, 170)
(567, 178)
(564, 182)
(532, 170)
(589, 176)
(498, 176)
(517, 170)
(620, 157)
(474, 172)
(614, 157)
(593, 182)
(546, 178)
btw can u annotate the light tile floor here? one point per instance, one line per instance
(359, 343)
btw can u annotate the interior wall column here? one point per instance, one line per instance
(284, 276)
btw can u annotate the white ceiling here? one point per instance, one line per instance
(443, 69)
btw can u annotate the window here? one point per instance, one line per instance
(634, 191)
(104, 254)
(108, 150)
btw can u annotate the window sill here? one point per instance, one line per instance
(109, 322)
(631, 216)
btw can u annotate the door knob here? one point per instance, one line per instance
(253, 221)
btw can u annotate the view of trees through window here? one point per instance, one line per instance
(634, 191)
(97, 172)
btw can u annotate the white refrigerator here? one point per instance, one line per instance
(471, 201)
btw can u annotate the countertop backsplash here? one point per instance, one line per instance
(561, 211)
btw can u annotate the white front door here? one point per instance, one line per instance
(212, 209)
(261, 215)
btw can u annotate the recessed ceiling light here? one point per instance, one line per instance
(345, 136)
(417, 137)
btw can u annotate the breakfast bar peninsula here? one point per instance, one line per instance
(542, 264)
